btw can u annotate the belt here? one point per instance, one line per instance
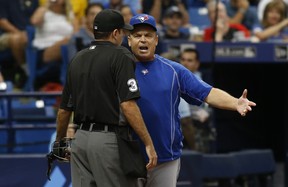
(97, 127)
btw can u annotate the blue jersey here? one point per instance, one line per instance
(162, 82)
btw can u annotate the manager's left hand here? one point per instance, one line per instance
(244, 105)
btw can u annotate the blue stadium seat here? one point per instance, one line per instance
(30, 58)
(30, 128)
(196, 3)
(253, 168)
(199, 17)
(253, 164)
(3, 141)
(197, 169)
(217, 167)
(32, 140)
(31, 135)
(65, 62)
(190, 171)
(3, 102)
(3, 110)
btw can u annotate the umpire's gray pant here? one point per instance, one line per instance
(95, 161)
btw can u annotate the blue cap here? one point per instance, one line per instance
(143, 19)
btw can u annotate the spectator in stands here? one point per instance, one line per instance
(113, 4)
(198, 128)
(172, 24)
(241, 12)
(224, 30)
(85, 35)
(261, 6)
(127, 13)
(274, 23)
(78, 7)
(54, 28)
(135, 5)
(14, 18)
(157, 8)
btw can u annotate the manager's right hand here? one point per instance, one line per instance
(152, 155)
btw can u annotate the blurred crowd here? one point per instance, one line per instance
(70, 22)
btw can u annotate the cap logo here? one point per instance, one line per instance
(143, 18)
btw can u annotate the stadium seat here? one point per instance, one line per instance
(3, 141)
(65, 62)
(196, 3)
(32, 140)
(32, 133)
(218, 167)
(199, 17)
(3, 101)
(190, 171)
(29, 126)
(198, 169)
(256, 167)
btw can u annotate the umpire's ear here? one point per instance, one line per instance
(129, 38)
(114, 34)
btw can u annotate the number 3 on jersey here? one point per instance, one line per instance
(132, 85)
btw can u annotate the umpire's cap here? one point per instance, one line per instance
(107, 20)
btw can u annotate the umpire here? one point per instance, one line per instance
(101, 91)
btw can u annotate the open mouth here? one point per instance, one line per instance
(143, 48)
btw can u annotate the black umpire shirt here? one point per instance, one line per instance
(99, 78)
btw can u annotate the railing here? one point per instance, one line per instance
(10, 122)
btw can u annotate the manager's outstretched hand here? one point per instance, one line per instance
(244, 105)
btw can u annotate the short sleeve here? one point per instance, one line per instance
(193, 89)
(124, 76)
(66, 98)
